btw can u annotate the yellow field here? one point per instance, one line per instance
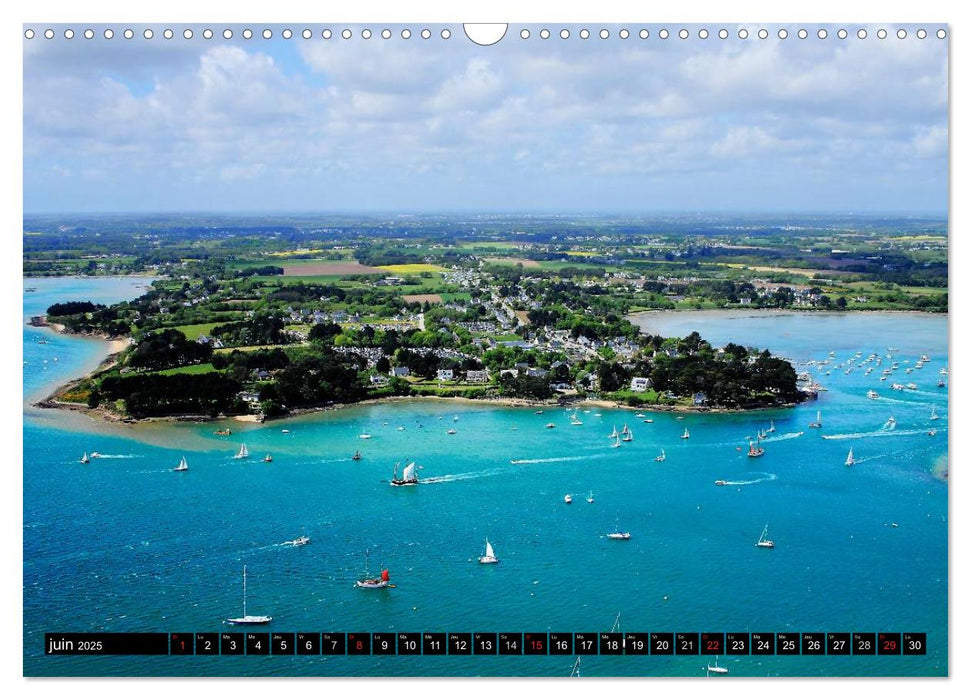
(411, 269)
(582, 253)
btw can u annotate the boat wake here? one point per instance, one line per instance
(548, 460)
(101, 456)
(785, 436)
(449, 478)
(875, 433)
(765, 476)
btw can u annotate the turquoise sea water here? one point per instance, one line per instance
(125, 544)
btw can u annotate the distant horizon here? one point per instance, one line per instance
(492, 212)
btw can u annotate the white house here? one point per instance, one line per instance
(640, 384)
(400, 371)
(445, 375)
(477, 375)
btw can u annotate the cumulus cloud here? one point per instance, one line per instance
(329, 115)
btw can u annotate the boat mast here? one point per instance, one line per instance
(244, 590)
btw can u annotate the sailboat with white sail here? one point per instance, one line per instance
(408, 476)
(818, 423)
(628, 437)
(716, 669)
(490, 554)
(182, 467)
(934, 415)
(85, 459)
(661, 457)
(764, 540)
(686, 434)
(243, 452)
(248, 619)
(614, 433)
(850, 460)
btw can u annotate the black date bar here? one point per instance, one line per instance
(106, 643)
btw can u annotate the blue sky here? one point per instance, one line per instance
(417, 125)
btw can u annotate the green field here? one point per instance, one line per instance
(204, 368)
(193, 331)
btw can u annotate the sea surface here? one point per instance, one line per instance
(126, 544)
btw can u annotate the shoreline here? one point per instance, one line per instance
(109, 417)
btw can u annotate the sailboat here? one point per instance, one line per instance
(490, 555)
(365, 436)
(660, 457)
(85, 459)
(243, 452)
(614, 433)
(357, 455)
(408, 476)
(850, 461)
(248, 619)
(685, 436)
(568, 499)
(818, 423)
(764, 541)
(590, 497)
(934, 415)
(771, 427)
(575, 420)
(268, 458)
(616, 442)
(618, 535)
(383, 582)
(721, 670)
(754, 451)
(575, 673)
(183, 466)
(299, 542)
(629, 436)
(625, 430)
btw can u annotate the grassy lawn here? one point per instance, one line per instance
(204, 368)
(194, 330)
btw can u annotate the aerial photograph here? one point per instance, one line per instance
(599, 350)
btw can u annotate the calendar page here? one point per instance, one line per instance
(488, 350)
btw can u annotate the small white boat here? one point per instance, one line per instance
(614, 433)
(686, 435)
(408, 476)
(648, 420)
(625, 430)
(764, 541)
(243, 452)
(754, 451)
(618, 536)
(450, 431)
(932, 432)
(850, 460)
(551, 425)
(299, 542)
(95, 455)
(716, 669)
(248, 619)
(490, 555)
(268, 458)
(365, 436)
(912, 386)
(660, 457)
(872, 394)
(455, 419)
(891, 423)
(575, 420)
(628, 437)
(85, 459)
(934, 415)
(818, 423)
(183, 466)
(590, 497)
(616, 442)
(568, 498)
(771, 427)
(384, 581)
(356, 456)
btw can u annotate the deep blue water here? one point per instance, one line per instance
(125, 544)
